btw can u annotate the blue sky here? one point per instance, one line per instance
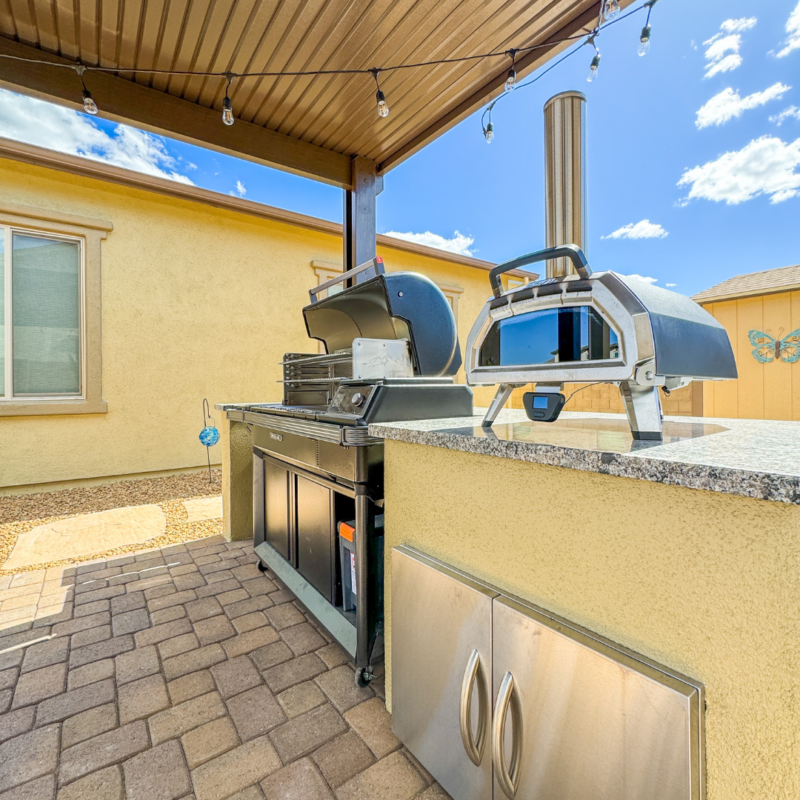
(738, 209)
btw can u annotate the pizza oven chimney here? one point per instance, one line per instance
(565, 177)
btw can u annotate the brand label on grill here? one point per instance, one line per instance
(276, 436)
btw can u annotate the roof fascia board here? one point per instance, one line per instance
(724, 298)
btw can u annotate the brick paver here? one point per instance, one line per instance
(185, 674)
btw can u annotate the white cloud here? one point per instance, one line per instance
(764, 166)
(728, 104)
(638, 230)
(671, 285)
(36, 122)
(793, 29)
(239, 191)
(641, 278)
(738, 25)
(793, 112)
(722, 54)
(458, 244)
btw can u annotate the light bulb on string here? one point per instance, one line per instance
(89, 105)
(380, 97)
(610, 9)
(511, 78)
(644, 41)
(644, 36)
(227, 106)
(488, 133)
(594, 67)
(383, 106)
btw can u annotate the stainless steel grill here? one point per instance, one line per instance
(391, 353)
(593, 328)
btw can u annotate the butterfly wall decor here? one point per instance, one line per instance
(768, 348)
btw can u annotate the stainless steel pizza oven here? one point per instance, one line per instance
(593, 328)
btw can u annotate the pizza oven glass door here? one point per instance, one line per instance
(549, 336)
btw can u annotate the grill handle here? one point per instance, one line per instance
(373, 263)
(571, 251)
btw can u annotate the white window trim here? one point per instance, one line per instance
(89, 233)
(9, 396)
(453, 294)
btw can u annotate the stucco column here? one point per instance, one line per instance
(237, 480)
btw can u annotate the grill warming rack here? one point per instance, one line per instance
(312, 379)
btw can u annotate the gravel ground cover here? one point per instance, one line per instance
(21, 513)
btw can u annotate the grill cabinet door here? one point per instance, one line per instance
(315, 555)
(277, 518)
(441, 625)
(596, 724)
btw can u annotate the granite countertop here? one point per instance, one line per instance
(752, 458)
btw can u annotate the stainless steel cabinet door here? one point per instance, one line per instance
(441, 672)
(277, 517)
(584, 720)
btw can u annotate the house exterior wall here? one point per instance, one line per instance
(763, 391)
(197, 302)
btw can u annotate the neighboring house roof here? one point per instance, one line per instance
(754, 283)
(77, 165)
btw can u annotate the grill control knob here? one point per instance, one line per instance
(357, 399)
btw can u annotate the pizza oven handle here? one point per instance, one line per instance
(571, 251)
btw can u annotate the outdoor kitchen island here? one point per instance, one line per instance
(685, 552)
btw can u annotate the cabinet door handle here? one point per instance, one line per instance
(507, 777)
(472, 674)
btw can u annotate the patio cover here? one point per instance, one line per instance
(312, 126)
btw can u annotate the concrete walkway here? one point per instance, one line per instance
(184, 673)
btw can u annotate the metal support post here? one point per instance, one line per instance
(359, 221)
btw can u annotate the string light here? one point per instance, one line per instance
(610, 12)
(227, 106)
(611, 9)
(380, 97)
(644, 38)
(89, 105)
(594, 67)
(511, 78)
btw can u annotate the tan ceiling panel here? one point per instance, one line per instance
(333, 114)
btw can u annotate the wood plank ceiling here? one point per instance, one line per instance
(335, 112)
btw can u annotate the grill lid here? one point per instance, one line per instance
(398, 305)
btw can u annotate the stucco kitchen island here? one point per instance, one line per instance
(687, 552)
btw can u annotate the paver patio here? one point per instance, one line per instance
(184, 673)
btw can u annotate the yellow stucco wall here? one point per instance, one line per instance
(763, 391)
(197, 302)
(705, 583)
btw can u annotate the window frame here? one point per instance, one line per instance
(88, 233)
(8, 236)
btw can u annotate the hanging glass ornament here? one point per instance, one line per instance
(209, 436)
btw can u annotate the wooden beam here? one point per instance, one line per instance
(131, 103)
(585, 22)
(360, 222)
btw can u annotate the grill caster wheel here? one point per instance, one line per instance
(364, 677)
(262, 567)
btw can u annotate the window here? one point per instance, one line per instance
(42, 335)
(49, 313)
(550, 336)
